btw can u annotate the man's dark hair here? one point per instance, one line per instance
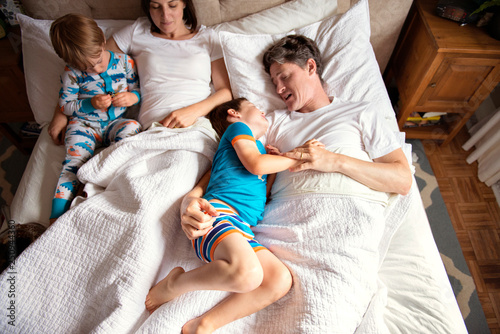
(297, 49)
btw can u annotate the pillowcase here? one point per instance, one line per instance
(351, 71)
(43, 67)
(280, 19)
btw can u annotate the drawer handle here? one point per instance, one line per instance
(432, 85)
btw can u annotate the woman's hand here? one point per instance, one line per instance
(57, 127)
(101, 101)
(181, 118)
(197, 216)
(124, 99)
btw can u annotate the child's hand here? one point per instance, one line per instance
(125, 99)
(196, 217)
(314, 142)
(101, 101)
(272, 150)
(57, 127)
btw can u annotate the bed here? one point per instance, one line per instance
(91, 270)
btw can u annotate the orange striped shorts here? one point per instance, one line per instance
(226, 223)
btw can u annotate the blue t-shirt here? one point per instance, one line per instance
(231, 182)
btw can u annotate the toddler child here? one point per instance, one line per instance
(235, 261)
(97, 87)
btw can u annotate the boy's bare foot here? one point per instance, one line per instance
(162, 292)
(195, 326)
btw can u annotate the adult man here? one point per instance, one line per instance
(325, 220)
(294, 64)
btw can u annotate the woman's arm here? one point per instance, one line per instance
(389, 173)
(185, 117)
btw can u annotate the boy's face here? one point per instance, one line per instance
(98, 64)
(254, 118)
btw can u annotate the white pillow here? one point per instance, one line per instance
(42, 66)
(351, 71)
(282, 18)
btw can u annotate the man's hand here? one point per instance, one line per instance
(312, 155)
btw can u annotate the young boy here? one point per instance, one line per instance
(236, 262)
(97, 87)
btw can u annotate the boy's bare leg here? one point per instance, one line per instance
(236, 268)
(276, 283)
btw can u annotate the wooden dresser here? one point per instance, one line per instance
(440, 66)
(14, 106)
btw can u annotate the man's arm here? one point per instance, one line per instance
(389, 173)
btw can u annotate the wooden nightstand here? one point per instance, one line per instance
(14, 106)
(439, 66)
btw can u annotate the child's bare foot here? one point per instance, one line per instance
(196, 326)
(162, 292)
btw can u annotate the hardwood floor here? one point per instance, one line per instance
(475, 215)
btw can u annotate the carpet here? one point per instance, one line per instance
(447, 243)
(13, 163)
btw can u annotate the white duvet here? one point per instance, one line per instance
(91, 271)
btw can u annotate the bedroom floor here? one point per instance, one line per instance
(475, 215)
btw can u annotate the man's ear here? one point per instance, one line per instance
(311, 66)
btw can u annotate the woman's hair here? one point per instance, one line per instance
(189, 15)
(295, 49)
(76, 38)
(218, 115)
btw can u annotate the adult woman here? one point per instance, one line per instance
(176, 60)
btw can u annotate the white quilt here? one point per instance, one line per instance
(91, 271)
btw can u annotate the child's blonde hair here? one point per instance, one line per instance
(76, 38)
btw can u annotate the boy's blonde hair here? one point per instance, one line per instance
(76, 38)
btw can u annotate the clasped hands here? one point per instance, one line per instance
(312, 155)
(104, 101)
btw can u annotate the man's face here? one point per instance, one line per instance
(293, 85)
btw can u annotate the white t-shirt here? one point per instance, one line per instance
(172, 74)
(351, 128)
